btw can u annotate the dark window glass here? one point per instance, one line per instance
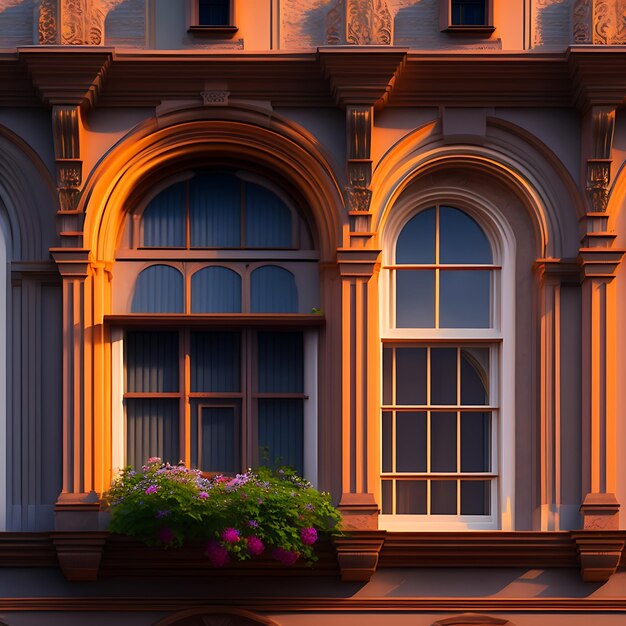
(281, 424)
(151, 362)
(159, 289)
(411, 442)
(273, 290)
(215, 362)
(281, 358)
(474, 376)
(443, 442)
(468, 13)
(163, 219)
(411, 497)
(443, 376)
(415, 299)
(462, 240)
(214, 12)
(475, 497)
(219, 439)
(465, 299)
(416, 243)
(443, 497)
(411, 375)
(475, 442)
(216, 290)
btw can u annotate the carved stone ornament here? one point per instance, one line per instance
(66, 133)
(81, 22)
(598, 177)
(601, 22)
(359, 198)
(215, 97)
(359, 22)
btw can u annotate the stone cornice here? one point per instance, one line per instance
(580, 77)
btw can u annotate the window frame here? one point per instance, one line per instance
(194, 26)
(446, 24)
(500, 338)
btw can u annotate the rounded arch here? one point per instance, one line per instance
(509, 156)
(217, 616)
(183, 139)
(27, 196)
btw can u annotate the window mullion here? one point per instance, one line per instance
(185, 435)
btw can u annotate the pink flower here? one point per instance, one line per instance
(308, 536)
(230, 535)
(255, 546)
(286, 557)
(151, 489)
(165, 535)
(153, 459)
(218, 555)
(203, 495)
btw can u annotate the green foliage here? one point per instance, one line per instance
(240, 517)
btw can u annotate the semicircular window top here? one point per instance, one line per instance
(220, 209)
(443, 272)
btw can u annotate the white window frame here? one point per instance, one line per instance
(500, 337)
(5, 303)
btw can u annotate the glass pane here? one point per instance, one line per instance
(219, 439)
(468, 13)
(443, 497)
(475, 497)
(416, 242)
(461, 239)
(387, 505)
(273, 290)
(410, 442)
(151, 361)
(159, 289)
(443, 376)
(281, 362)
(268, 219)
(415, 298)
(475, 442)
(214, 12)
(411, 497)
(215, 362)
(474, 376)
(216, 290)
(151, 430)
(281, 423)
(443, 442)
(411, 375)
(163, 220)
(464, 298)
(387, 441)
(387, 375)
(215, 211)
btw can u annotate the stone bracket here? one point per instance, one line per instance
(599, 554)
(357, 554)
(79, 553)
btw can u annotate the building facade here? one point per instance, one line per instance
(380, 241)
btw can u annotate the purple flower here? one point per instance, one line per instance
(165, 535)
(308, 536)
(286, 557)
(160, 514)
(260, 501)
(255, 546)
(230, 535)
(217, 554)
(151, 489)
(252, 523)
(203, 495)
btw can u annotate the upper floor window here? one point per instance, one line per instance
(441, 410)
(211, 17)
(467, 16)
(214, 12)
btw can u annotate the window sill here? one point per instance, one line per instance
(458, 29)
(213, 31)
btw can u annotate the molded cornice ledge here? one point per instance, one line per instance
(72, 262)
(598, 75)
(358, 262)
(362, 75)
(71, 77)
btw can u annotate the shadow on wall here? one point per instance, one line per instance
(552, 23)
(314, 22)
(16, 23)
(125, 25)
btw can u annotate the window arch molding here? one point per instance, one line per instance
(502, 240)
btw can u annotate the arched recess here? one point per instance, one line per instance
(27, 288)
(173, 143)
(223, 616)
(509, 154)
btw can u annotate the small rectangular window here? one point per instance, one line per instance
(214, 12)
(467, 16)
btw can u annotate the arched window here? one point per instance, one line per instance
(440, 414)
(206, 272)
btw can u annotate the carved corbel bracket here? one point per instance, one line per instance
(599, 554)
(600, 262)
(79, 553)
(359, 22)
(359, 134)
(357, 554)
(599, 165)
(358, 263)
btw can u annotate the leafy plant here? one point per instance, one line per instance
(241, 517)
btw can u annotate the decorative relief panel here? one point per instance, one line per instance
(601, 22)
(359, 22)
(47, 25)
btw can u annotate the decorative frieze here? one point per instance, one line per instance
(359, 22)
(359, 133)
(73, 22)
(600, 22)
(599, 165)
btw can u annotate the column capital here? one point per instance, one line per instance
(72, 262)
(358, 262)
(600, 262)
